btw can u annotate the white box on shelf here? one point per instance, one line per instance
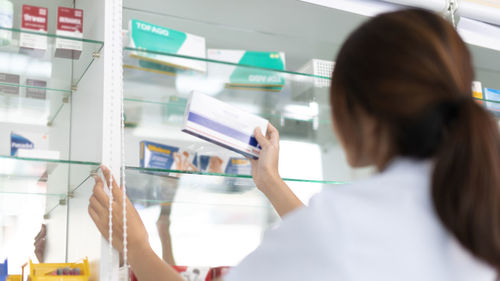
(223, 124)
(321, 68)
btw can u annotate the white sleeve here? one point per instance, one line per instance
(289, 252)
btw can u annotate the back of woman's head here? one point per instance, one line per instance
(412, 73)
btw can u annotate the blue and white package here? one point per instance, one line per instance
(160, 156)
(156, 155)
(239, 166)
(492, 97)
(222, 124)
(19, 142)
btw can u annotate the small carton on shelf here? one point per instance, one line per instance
(492, 97)
(165, 157)
(12, 79)
(154, 38)
(69, 24)
(223, 124)
(305, 85)
(79, 271)
(34, 19)
(256, 74)
(4, 270)
(477, 90)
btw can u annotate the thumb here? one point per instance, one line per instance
(260, 137)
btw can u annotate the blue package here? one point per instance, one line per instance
(4, 270)
(19, 142)
(239, 166)
(156, 155)
(493, 100)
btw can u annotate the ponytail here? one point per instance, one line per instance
(466, 181)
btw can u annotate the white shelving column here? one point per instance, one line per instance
(96, 124)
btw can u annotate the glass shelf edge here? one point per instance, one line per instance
(71, 162)
(53, 35)
(227, 175)
(226, 63)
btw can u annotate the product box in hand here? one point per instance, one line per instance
(69, 24)
(255, 75)
(166, 157)
(155, 38)
(33, 19)
(223, 124)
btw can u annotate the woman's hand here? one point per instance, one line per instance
(265, 169)
(266, 176)
(137, 236)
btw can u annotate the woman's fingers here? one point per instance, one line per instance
(99, 192)
(108, 177)
(260, 137)
(273, 134)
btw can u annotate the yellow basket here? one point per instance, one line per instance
(14, 278)
(42, 271)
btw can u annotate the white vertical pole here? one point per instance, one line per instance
(111, 145)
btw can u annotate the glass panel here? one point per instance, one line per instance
(42, 70)
(34, 192)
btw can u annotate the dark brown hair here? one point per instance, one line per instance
(412, 73)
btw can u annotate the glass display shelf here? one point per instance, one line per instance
(24, 109)
(41, 70)
(44, 177)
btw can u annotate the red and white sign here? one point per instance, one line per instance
(70, 24)
(34, 19)
(70, 20)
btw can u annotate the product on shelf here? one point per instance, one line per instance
(69, 24)
(154, 38)
(36, 89)
(238, 166)
(477, 90)
(14, 277)
(79, 271)
(165, 157)
(31, 145)
(6, 21)
(33, 19)
(5, 80)
(492, 97)
(256, 75)
(4, 270)
(222, 124)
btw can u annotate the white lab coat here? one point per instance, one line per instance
(383, 228)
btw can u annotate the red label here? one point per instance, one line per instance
(69, 19)
(34, 18)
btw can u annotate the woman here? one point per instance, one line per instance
(401, 100)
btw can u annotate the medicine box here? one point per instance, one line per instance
(69, 24)
(223, 124)
(477, 90)
(165, 157)
(34, 19)
(492, 97)
(160, 41)
(249, 69)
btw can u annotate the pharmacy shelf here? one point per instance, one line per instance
(43, 177)
(53, 73)
(159, 186)
(24, 109)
